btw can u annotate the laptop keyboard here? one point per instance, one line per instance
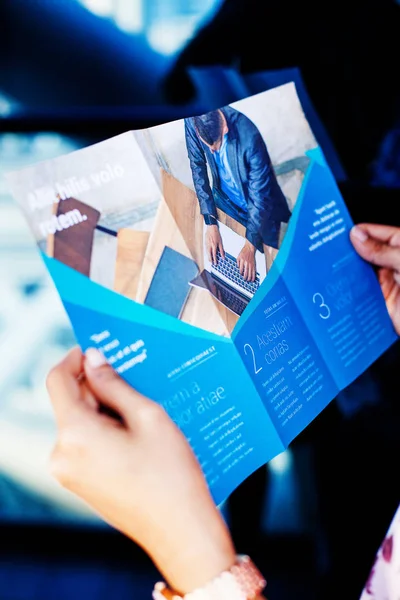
(228, 267)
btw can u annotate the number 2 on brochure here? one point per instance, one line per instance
(254, 358)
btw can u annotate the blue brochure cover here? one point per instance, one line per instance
(229, 292)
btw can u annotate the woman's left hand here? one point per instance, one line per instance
(139, 473)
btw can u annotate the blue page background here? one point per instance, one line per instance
(197, 376)
(323, 301)
(285, 363)
(335, 290)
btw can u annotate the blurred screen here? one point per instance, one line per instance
(166, 24)
(34, 334)
(113, 47)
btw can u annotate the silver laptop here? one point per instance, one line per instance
(224, 280)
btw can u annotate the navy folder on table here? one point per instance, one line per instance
(170, 288)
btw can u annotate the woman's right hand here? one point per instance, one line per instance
(380, 245)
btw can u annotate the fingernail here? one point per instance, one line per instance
(95, 358)
(359, 234)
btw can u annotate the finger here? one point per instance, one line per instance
(253, 274)
(110, 389)
(212, 253)
(387, 282)
(72, 364)
(215, 255)
(390, 284)
(89, 399)
(63, 385)
(375, 251)
(245, 270)
(382, 233)
(221, 249)
(385, 277)
(239, 264)
(209, 252)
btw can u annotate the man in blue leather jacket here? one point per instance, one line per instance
(243, 185)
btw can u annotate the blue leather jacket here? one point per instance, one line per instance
(253, 172)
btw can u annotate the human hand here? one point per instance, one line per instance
(214, 243)
(246, 261)
(139, 473)
(380, 245)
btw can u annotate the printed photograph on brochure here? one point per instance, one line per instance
(186, 217)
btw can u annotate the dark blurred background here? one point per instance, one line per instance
(74, 72)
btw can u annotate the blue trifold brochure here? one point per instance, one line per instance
(209, 260)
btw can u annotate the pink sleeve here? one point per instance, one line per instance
(384, 580)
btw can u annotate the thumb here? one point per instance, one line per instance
(110, 389)
(221, 249)
(374, 250)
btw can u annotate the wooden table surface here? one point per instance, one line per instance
(178, 225)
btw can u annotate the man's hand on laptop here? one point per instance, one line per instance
(214, 243)
(246, 261)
